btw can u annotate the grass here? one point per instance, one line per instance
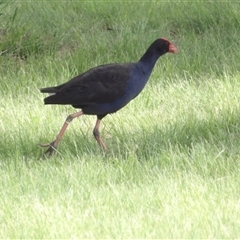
(173, 166)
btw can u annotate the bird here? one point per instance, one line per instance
(105, 89)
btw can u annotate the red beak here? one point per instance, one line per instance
(172, 48)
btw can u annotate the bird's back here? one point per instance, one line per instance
(102, 84)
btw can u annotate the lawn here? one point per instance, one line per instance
(172, 170)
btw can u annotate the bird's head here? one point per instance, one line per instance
(165, 45)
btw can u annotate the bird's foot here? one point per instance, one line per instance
(52, 148)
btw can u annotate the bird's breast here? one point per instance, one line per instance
(136, 83)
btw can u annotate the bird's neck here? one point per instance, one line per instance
(149, 59)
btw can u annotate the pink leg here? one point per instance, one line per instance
(53, 145)
(97, 135)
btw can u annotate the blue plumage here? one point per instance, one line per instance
(105, 89)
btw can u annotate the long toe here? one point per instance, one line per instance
(51, 148)
(50, 151)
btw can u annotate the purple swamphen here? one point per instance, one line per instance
(105, 89)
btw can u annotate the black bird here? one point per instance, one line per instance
(105, 89)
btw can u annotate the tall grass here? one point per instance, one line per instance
(172, 170)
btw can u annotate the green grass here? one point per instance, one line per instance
(172, 170)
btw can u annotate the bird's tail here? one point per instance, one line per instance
(53, 97)
(50, 90)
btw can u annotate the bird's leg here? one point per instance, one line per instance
(53, 145)
(96, 134)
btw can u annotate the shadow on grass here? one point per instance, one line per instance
(220, 132)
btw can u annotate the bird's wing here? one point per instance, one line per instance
(103, 84)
